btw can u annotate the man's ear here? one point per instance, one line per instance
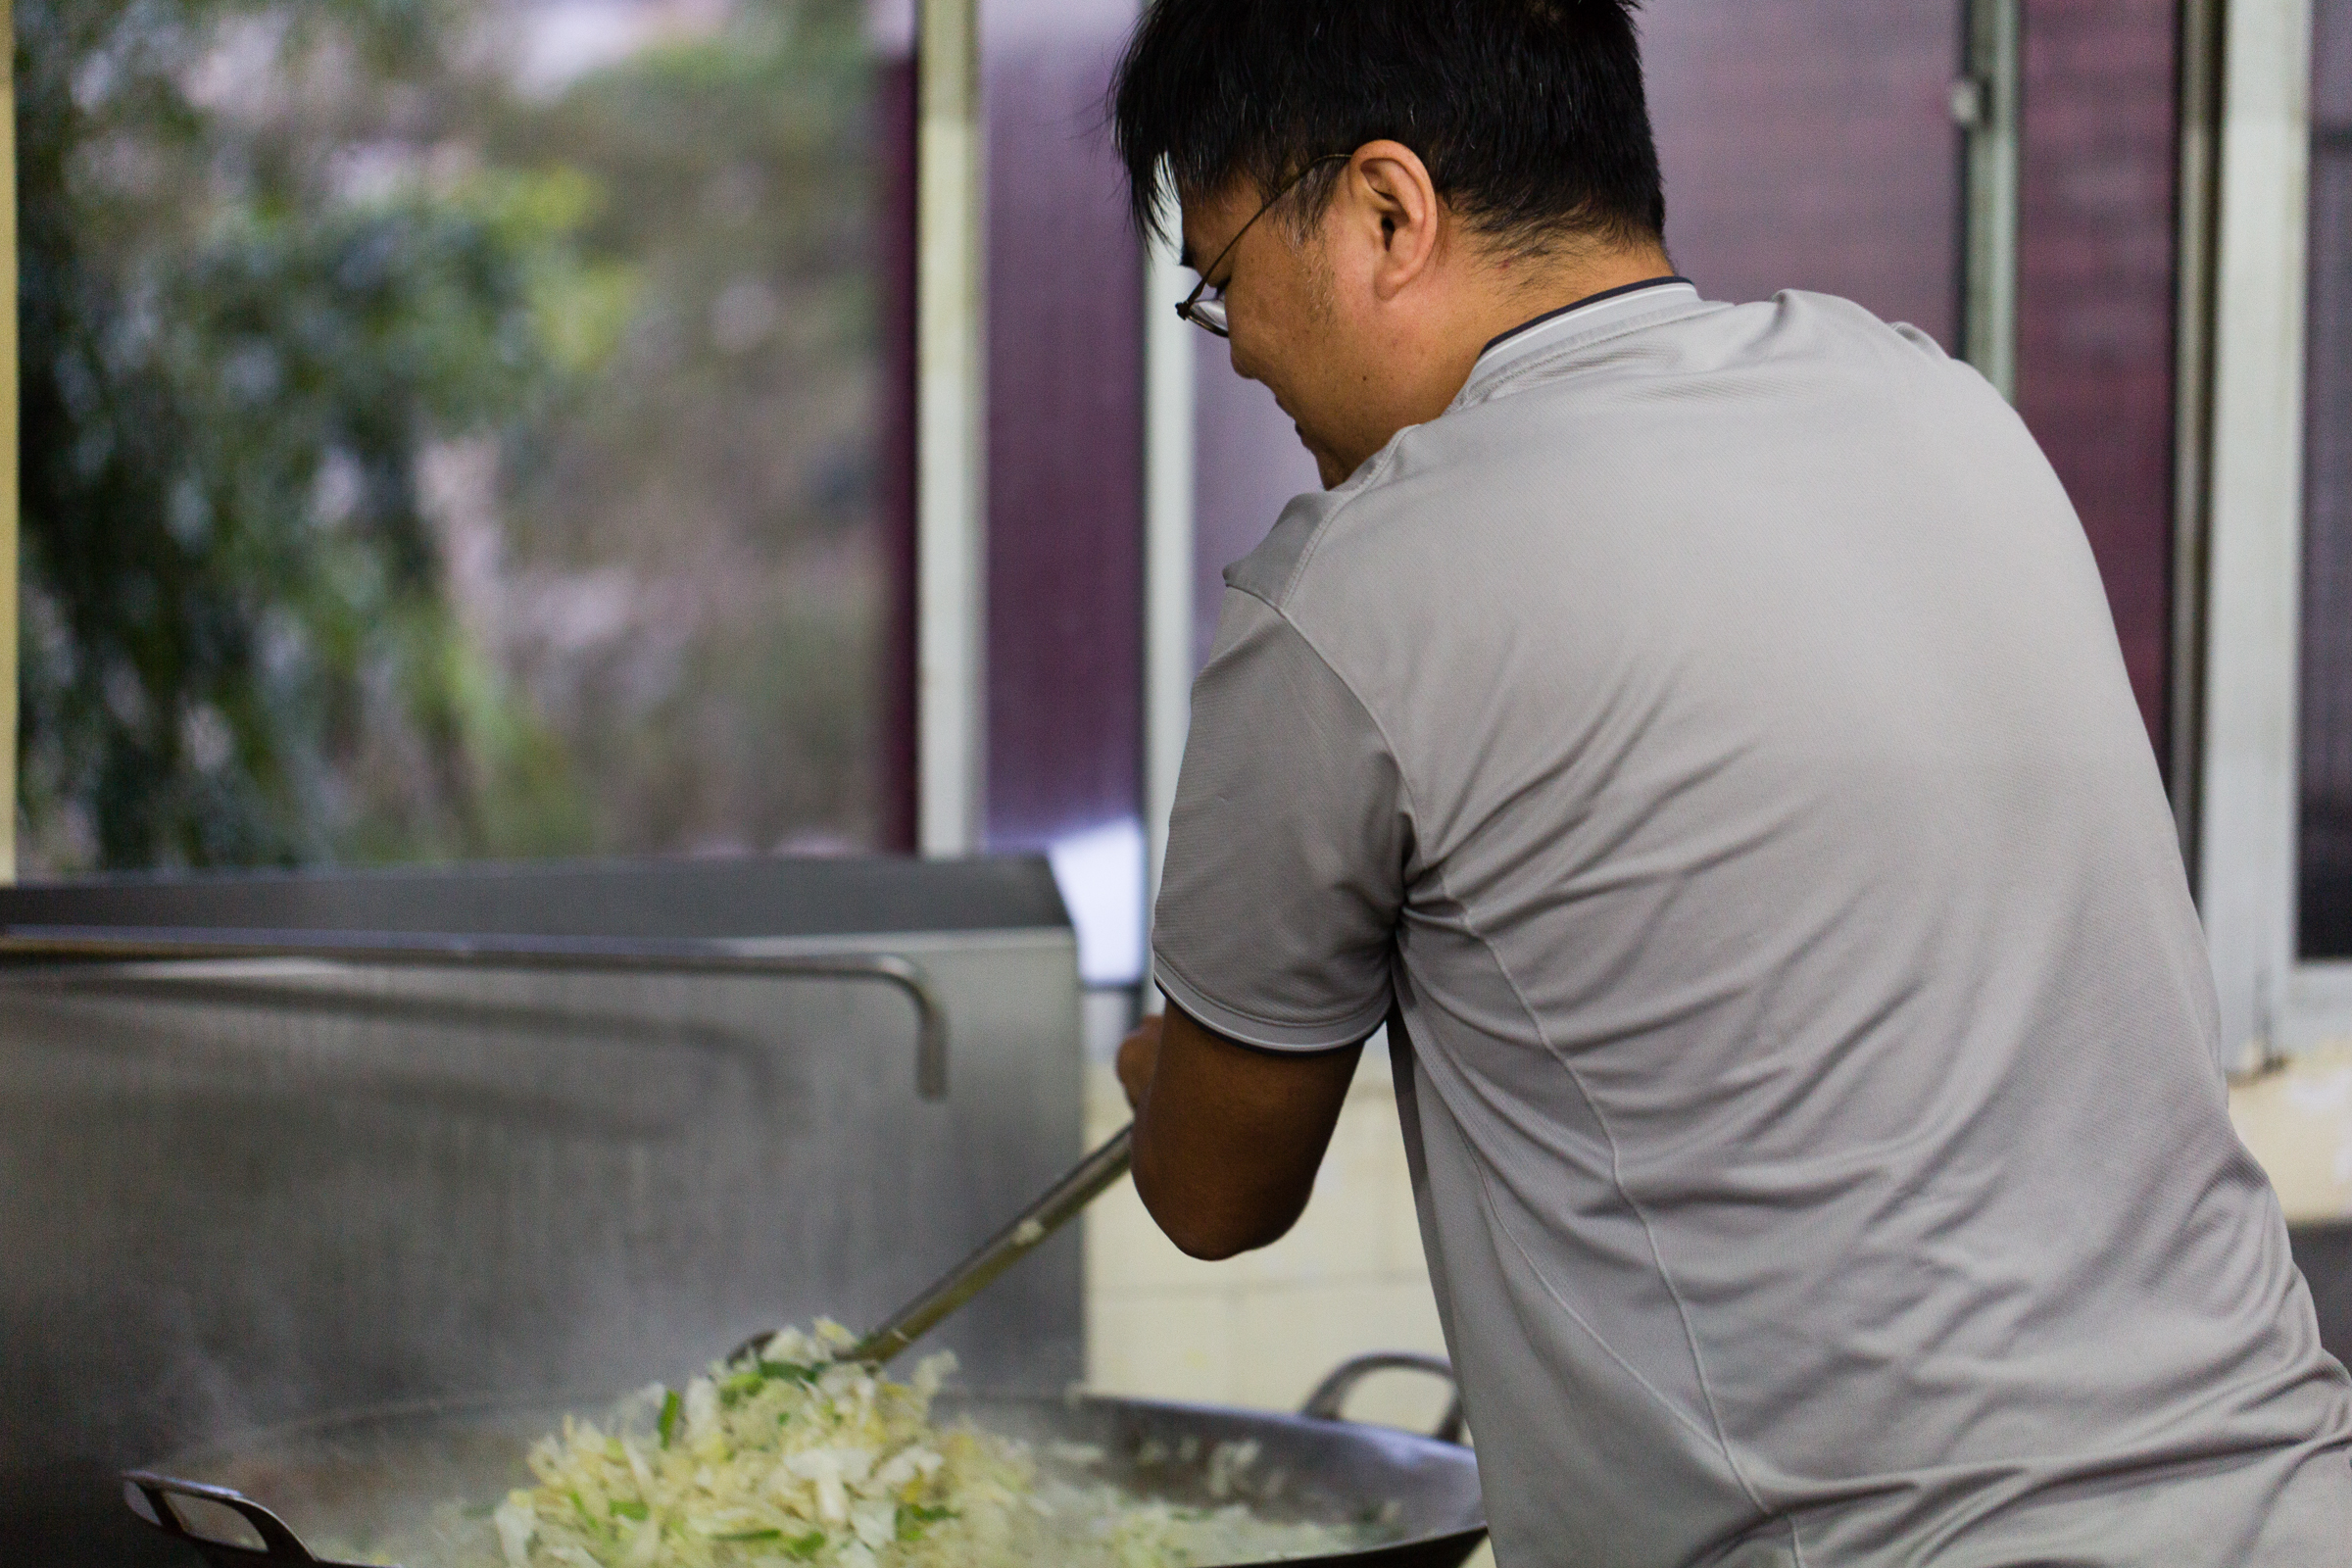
(1397, 203)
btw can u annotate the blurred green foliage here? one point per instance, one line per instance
(721, 463)
(276, 255)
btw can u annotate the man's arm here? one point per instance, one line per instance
(1228, 1137)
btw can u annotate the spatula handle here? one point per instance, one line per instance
(1086, 1182)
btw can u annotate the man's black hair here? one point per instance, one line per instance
(1530, 114)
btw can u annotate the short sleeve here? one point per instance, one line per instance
(1286, 850)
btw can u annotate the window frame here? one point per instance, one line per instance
(9, 454)
(2273, 1004)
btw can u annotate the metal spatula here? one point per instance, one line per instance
(1054, 1207)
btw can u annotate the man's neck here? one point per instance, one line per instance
(1515, 291)
(1415, 376)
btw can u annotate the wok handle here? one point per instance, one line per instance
(1329, 1401)
(278, 1544)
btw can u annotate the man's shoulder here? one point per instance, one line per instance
(1272, 571)
(1585, 433)
(1791, 329)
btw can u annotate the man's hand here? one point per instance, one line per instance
(1227, 1137)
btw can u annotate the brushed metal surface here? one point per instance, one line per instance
(179, 946)
(239, 1193)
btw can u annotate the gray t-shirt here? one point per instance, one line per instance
(1710, 741)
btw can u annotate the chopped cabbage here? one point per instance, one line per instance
(793, 1457)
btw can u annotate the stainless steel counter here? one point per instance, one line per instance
(240, 1190)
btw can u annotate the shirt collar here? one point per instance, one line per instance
(1630, 299)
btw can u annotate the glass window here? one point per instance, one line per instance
(451, 428)
(1810, 144)
(2099, 236)
(2325, 852)
(1066, 422)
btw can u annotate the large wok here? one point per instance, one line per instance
(371, 1477)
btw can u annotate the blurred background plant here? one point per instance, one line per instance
(448, 433)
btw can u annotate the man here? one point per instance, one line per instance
(1699, 733)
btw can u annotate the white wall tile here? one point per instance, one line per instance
(1170, 1345)
(1286, 1338)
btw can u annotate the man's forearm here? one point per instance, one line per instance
(1228, 1137)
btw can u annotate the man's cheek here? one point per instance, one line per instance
(1238, 352)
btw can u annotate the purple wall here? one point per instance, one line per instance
(1248, 464)
(1809, 144)
(1065, 555)
(1064, 431)
(2326, 928)
(2095, 297)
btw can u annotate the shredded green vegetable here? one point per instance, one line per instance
(797, 1457)
(668, 1425)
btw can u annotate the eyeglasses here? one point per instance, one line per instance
(1204, 307)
